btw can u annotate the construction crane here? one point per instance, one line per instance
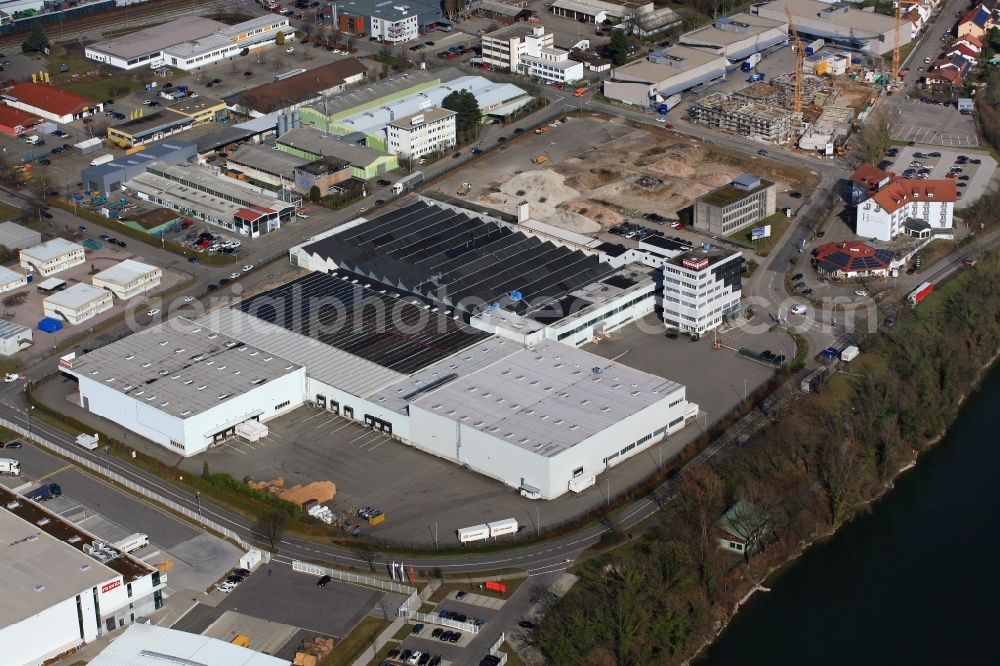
(800, 56)
(895, 36)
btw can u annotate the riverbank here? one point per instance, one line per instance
(827, 460)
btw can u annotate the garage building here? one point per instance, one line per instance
(63, 588)
(184, 386)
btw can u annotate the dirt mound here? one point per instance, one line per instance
(668, 166)
(321, 491)
(600, 214)
(545, 190)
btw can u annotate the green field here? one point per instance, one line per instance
(778, 221)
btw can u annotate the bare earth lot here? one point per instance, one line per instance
(597, 171)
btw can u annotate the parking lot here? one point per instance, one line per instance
(977, 176)
(933, 125)
(294, 604)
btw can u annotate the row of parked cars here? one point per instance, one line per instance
(413, 657)
(460, 617)
(367, 512)
(232, 581)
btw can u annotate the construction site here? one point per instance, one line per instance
(814, 107)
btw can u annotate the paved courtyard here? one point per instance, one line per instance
(934, 125)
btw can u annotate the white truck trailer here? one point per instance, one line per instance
(10, 466)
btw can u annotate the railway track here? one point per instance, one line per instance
(157, 11)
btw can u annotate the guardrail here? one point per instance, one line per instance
(105, 471)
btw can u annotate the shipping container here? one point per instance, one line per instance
(502, 527)
(474, 533)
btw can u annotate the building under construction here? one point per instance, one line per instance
(753, 120)
(780, 91)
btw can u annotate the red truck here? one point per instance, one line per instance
(920, 293)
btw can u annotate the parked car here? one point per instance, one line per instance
(796, 277)
(247, 268)
(860, 292)
(233, 276)
(526, 624)
(323, 581)
(417, 628)
(798, 309)
(227, 587)
(153, 312)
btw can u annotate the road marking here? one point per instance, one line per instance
(43, 477)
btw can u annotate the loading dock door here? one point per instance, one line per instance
(321, 401)
(349, 412)
(335, 407)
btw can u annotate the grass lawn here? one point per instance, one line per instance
(512, 658)
(9, 212)
(935, 251)
(443, 591)
(778, 221)
(360, 639)
(84, 76)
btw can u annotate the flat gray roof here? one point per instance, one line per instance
(77, 296)
(182, 367)
(192, 105)
(9, 329)
(267, 159)
(521, 30)
(152, 645)
(547, 398)
(126, 271)
(32, 559)
(51, 249)
(323, 362)
(158, 37)
(7, 275)
(318, 142)
(647, 70)
(752, 25)
(12, 233)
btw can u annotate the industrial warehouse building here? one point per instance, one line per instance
(664, 72)
(727, 209)
(184, 386)
(839, 24)
(128, 278)
(737, 37)
(225, 202)
(50, 102)
(153, 645)
(109, 178)
(303, 88)
(454, 332)
(189, 42)
(77, 304)
(264, 165)
(62, 586)
(312, 143)
(52, 256)
(13, 337)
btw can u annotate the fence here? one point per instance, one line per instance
(432, 618)
(357, 579)
(106, 472)
(495, 650)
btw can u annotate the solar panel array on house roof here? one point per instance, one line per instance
(459, 260)
(342, 310)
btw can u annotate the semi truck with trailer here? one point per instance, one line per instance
(920, 293)
(132, 543)
(668, 104)
(10, 466)
(44, 492)
(750, 62)
(407, 184)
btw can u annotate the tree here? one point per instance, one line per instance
(365, 549)
(279, 39)
(36, 39)
(272, 527)
(872, 142)
(245, 52)
(315, 194)
(465, 105)
(617, 48)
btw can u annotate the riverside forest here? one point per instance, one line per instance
(661, 598)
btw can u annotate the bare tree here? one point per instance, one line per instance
(872, 142)
(272, 526)
(365, 549)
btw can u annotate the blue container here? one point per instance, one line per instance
(49, 325)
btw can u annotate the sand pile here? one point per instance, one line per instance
(668, 166)
(545, 190)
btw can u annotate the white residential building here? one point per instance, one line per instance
(61, 590)
(52, 256)
(699, 288)
(884, 215)
(420, 134)
(77, 304)
(531, 51)
(129, 278)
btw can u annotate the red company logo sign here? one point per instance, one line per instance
(107, 587)
(66, 363)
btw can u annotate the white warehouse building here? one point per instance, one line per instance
(184, 386)
(62, 586)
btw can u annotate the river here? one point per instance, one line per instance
(910, 583)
